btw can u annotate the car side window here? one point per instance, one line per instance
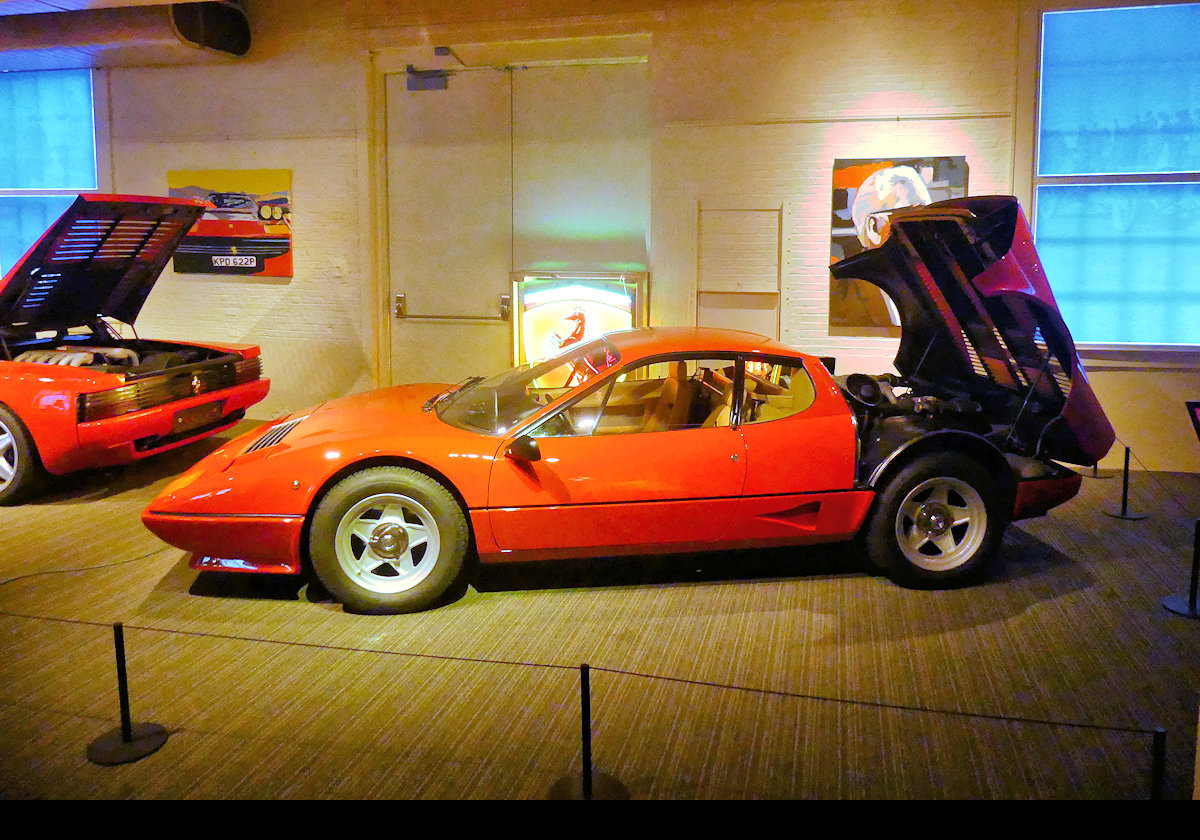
(663, 395)
(775, 390)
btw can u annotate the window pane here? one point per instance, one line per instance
(1120, 91)
(47, 137)
(23, 220)
(776, 391)
(1122, 259)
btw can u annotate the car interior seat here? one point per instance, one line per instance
(674, 402)
(800, 394)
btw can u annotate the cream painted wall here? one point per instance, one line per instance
(297, 103)
(752, 102)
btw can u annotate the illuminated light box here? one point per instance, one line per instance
(554, 310)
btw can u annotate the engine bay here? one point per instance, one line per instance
(82, 356)
(130, 357)
(888, 395)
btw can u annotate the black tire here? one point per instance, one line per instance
(937, 523)
(20, 468)
(389, 540)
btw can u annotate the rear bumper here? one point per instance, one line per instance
(1038, 495)
(140, 434)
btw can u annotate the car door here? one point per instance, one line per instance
(800, 457)
(640, 460)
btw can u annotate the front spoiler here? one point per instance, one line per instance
(265, 544)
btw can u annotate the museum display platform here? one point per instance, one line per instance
(770, 674)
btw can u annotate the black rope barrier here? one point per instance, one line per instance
(130, 742)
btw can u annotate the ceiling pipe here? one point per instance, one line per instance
(178, 33)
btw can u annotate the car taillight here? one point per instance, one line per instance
(247, 370)
(112, 403)
(165, 388)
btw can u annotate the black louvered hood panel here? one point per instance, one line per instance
(978, 319)
(102, 257)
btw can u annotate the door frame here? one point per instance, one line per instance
(391, 51)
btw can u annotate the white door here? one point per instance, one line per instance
(532, 168)
(449, 168)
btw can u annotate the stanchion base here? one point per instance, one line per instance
(604, 786)
(1181, 605)
(1116, 514)
(1099, 476)
(112, 748)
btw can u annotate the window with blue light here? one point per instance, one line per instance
(47, 153)
(1117, 213)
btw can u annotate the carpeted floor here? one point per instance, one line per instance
(775, 674)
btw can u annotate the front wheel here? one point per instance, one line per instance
(937, 523)
(388, 540)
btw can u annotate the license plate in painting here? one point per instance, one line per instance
(238, 262)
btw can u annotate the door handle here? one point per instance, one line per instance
(400, 310)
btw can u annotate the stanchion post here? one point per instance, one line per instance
(122, 682)
(1188, 606)
(1124, 513)
(128, 742)
(585, 706)
(1158, 766)
(1125, 485)
(1095, 473)
(588, 784)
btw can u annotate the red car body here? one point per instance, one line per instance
(73, 393)
(387, 493)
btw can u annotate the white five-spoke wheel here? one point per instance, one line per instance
(387, 543)
(941, 524)
(8, 457)
(20, 468)
(388, 540)
(937, 522)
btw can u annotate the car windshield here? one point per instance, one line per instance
(228, 201)
(495, 405)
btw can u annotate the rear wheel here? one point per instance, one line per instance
(20, 468)
(937, 523)
(389, 540)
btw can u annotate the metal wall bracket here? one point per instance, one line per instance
(400, 310)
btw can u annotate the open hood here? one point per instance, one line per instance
(978, 320)
(102, 257)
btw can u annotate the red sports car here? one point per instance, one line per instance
(73, 392)
(671, 439)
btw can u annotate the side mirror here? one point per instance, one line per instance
(524, 448)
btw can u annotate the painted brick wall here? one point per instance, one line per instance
(753, 100)
(756, 102)
(294, 104)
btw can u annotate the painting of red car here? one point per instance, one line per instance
(678, 439)
(74, 393)
(239, 233)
